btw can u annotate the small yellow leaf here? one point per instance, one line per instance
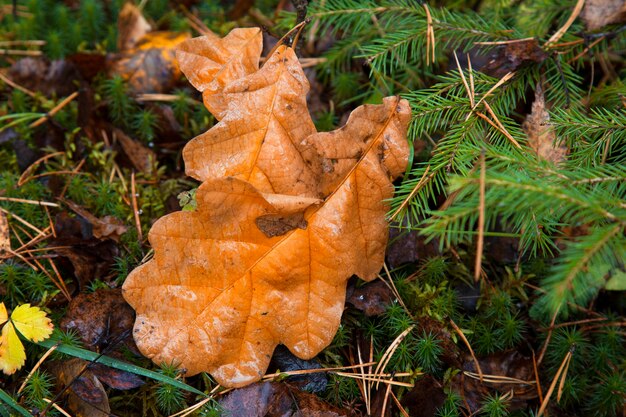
(3, 313)
(32, 322)
(12, 354)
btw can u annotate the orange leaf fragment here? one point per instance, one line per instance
(285, 216)
(266, 122)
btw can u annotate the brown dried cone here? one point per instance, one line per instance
(285, 216)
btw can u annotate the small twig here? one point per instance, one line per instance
(15, 85)
(133, 197)
(375, 379)
(24, 222)
(481, 218)
(54, 110)
(20, 52)
(56, 407)
(25, 43)
(393, 289)
(504, 42)
(471, 75)
(35, 202)
(430, 37)
(537, 380)
(61, 284)
(387, 391)
(297, 28)
(197, 24)
(315, 371)
(548, 337)
(467, 88)
(501, 81)
(22, 179)
(498, 125)
(573, 323)
(37, 365)
(165, 98)
(400, 407)
(469, 347)
(498, 379)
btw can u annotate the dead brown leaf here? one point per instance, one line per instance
(90, 258)
(149, 67)
(146, 59)
(131, 26)
(599, 13)
(541, 137)
(373, 298)
(223, 290)
(102, 228)
(142, 158)
(100, 318)
(272, 399)
(86, 396)
(513, 55)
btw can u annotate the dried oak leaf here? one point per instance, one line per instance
(284, 217)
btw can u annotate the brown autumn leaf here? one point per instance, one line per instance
(285, 217)
(131, 26)
(147, 60)
(105, 227)
(142, 157)
(86, 396)
(541, 137)
(599, 13)
(274, 399)
(149, 67)
(512, 56)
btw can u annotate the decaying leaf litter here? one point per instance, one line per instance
(279, 223)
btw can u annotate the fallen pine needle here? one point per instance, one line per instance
(35, 202)
(55, 110)
(481, 219)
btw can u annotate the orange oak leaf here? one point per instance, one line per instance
(285, 216)
(210, 63)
